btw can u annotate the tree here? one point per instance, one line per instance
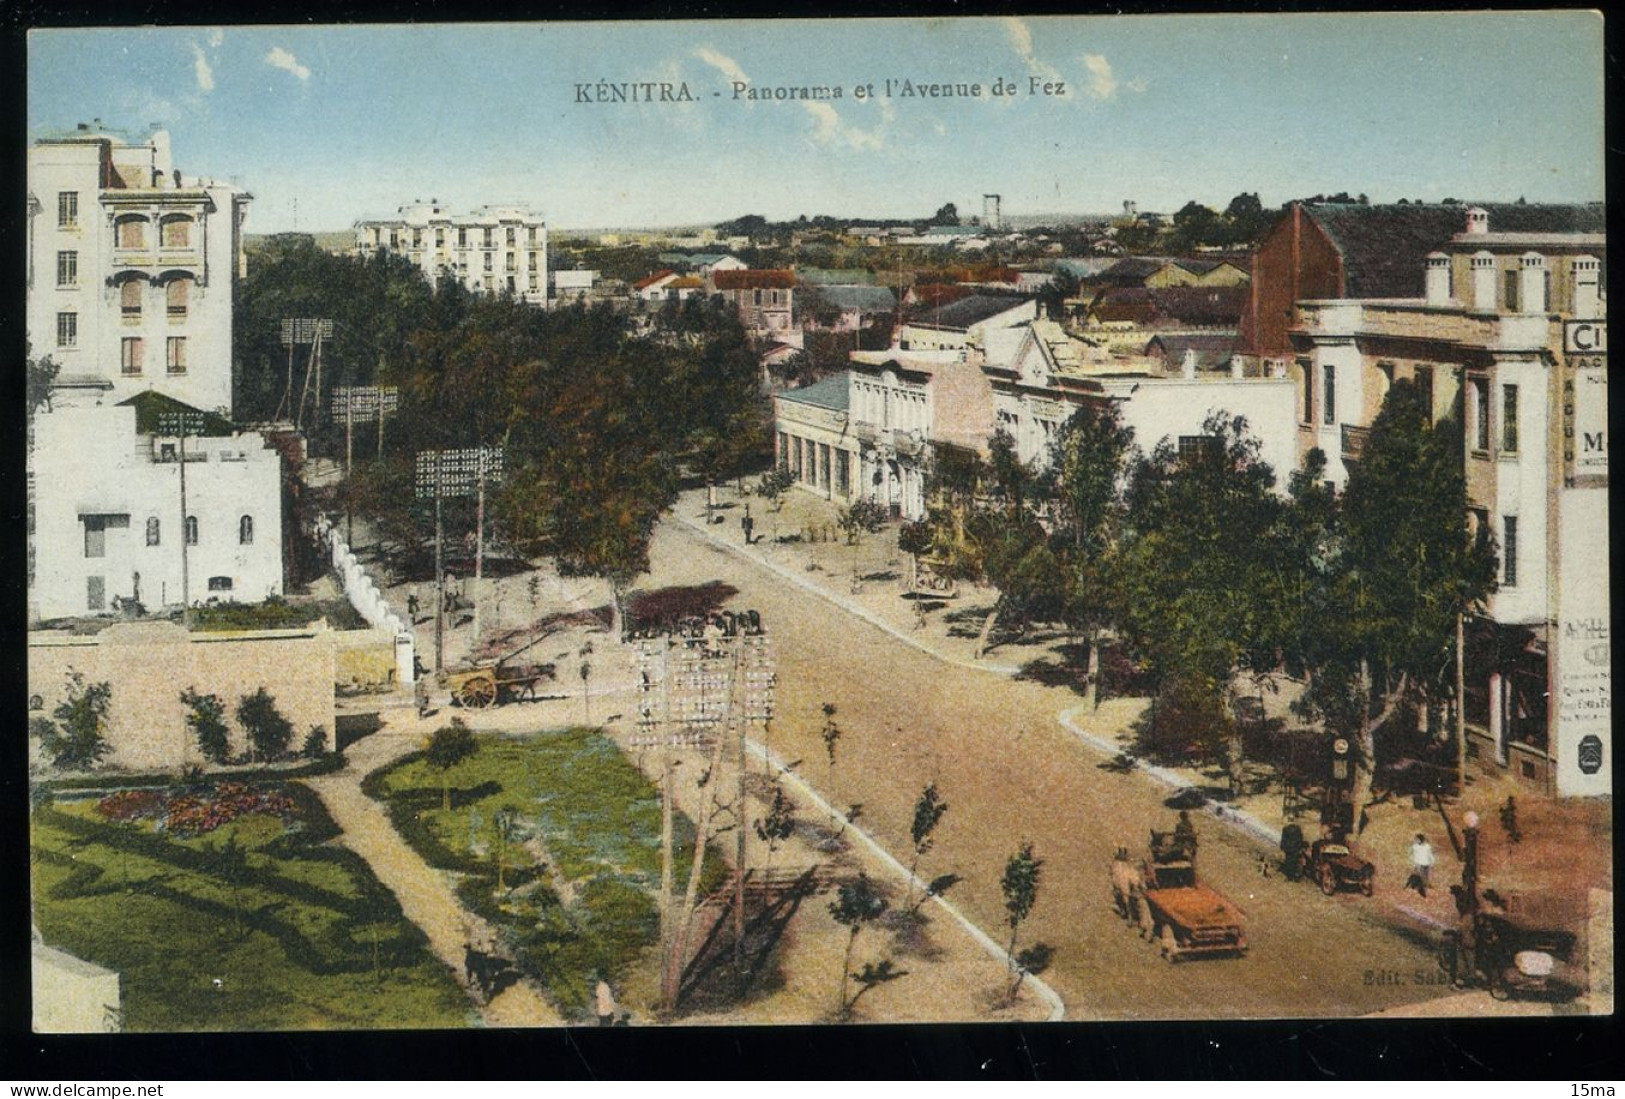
(448, 746)
(1404, 565)
(928, 813)
(863, 516)
(1084, 485)
(831, 735)
(269, 732)
(778, 825)
(773, 485)
(947, 214)
(41, 376)
(207, 720)
(858, 904)
(1194, 225)
(1063, 284)
(76, 738)
(1020, 888)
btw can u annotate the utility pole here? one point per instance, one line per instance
(442, 473)
(349, 454)
(1461, 708)
(182, 424)
(479, 550)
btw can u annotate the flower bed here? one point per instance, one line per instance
(193, 814)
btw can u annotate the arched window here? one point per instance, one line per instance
(191, 530)
(176, 293)
(129, 295)
(154, 531)
(245, 531)
(132, 232)
(177, 232)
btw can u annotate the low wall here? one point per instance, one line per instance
(149, 664)
(367, 599)
(365, 659)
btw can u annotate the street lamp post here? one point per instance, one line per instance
(1469, 864)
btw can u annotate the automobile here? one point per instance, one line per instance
(1330, 863)
(1521, 952)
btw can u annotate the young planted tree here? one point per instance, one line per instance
(75, 734)
(777, 825)
(773, 485)
(207, 720)
(1020, 887)
(1405, 565)
(857, 905)
(448, 746)
(928, 813)
(831, 735)
(269, 732)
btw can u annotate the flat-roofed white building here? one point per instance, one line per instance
(498, 249)
(130, 267)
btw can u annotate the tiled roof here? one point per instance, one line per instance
(686, 282)
(830, 392)
(966, 311)
(644, 284)
(863, 299)
(833, 276)
(1213, 349)
(1384, 248)
(1209, 306)
(753, 280)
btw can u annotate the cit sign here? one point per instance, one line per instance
(1585, 337)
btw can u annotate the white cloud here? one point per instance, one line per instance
(1021, 40)
(280, 58)
(829, 129)
(200, 66)
(216, 37)
(1102, 81)
(721, 62)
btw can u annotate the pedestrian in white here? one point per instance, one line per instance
(1421, 863)
(606, 1004)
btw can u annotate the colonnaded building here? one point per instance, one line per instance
(493, 250)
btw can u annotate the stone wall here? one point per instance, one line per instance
(149, 664)
(365, 596)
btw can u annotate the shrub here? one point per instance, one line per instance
(315, 745)
(75, 738)
(207, 720)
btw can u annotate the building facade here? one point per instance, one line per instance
(814, 440)
(764, 299)
(494, 250)
(130, 268)
(1509, 335)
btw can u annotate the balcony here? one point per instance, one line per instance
(1354, 440)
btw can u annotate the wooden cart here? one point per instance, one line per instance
(507, 679)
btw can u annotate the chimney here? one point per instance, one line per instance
(1188, 367)
(1478, 221)
(1483, 266)
(1438, 278)
(1532, 283)
(1585, 276)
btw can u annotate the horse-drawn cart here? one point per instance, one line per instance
(505, 680)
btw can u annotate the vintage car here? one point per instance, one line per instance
(1521, 953)
(1330, 863)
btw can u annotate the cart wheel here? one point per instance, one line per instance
(1499, 990)
(1170, 943)
(477, 694)
(1328, 881)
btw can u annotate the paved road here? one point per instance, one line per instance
(1010, 773)
(425, 896)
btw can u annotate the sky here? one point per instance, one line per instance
(328, 124)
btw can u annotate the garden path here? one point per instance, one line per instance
(424, 894)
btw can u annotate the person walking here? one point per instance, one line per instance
(748, 524)
(1421, 863)
(605, 997)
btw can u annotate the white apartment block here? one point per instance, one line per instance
(105, 522)
(494, 250)
(130, 269)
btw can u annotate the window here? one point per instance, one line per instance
(1509, 419)
(1512, 291)
(439, 238)
(219, 583)
(534, 265)
(154, 531)
(488, 261)
(67, 268)
(756, 297)
(1546, 291)
(1509, 551)
(843, 473)
(191, 530)
(1328, 390)
(510, 261)
(129, 300)
(176, 294)
(95, 593)
(67, 329)
(132, 233)
(462, 238)
(1191, 447)
(395, 239)
(511, 237)
(1307, 413)
(490, 238)
(530, 235)
(177, 233)
(1481, 414)
(784, 451)
(417, 238)
(67, 209)
(95, 536)
(175, 354)
(1424, 382)
(132, 349)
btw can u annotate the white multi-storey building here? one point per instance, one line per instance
(130, 268)
(494, 250)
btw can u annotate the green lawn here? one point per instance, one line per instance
(598, 819)
(299, 933)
